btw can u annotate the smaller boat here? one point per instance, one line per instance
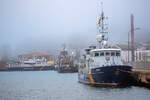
(66, 62)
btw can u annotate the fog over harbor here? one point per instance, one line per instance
(78, 49)
(44, 25)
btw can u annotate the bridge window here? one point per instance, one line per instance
(117, 53)
(102, 54)
(107, 53)
(112, 53)
(96, 54)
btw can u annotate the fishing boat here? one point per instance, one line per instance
(66, 62)
(102, 65)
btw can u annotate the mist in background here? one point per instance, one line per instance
(44, 25)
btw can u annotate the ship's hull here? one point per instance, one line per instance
(33, 68)
(67, 69)
(107, 76)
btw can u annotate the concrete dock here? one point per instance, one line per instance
(142, 76)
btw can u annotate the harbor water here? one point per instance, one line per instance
(50, 85)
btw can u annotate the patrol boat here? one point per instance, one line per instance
(103, 65)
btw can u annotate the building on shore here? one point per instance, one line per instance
(142, 54)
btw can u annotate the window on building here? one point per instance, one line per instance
(136, 56)
(139, 55)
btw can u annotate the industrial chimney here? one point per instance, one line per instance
(132, 38)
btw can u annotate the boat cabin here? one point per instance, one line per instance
(105, 57)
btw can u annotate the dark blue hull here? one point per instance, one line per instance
(108, 75)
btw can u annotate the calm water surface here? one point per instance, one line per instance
(50, 85)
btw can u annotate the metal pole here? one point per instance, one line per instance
(128, 45)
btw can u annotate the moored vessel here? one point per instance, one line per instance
(102, 65)
(35, 61)
(66, 62)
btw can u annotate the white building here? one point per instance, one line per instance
(140, 55)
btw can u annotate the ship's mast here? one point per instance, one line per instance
(102, 18)
(102, 38)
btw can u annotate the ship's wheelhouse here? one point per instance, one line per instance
(105, 57)
(105, 53)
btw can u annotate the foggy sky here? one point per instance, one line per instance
(44, 25)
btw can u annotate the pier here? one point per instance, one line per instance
(141, 76)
